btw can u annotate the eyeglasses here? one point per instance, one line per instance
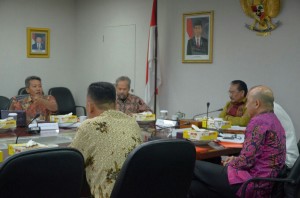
(233, 92)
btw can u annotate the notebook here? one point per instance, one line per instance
(21, 117)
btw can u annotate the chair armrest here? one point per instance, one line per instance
(84, 110)
(264, 179)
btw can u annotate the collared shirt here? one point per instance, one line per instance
(25, 102)
(105, 141)
(263, 154)
(236, 113)
(292, 152)
(132, 104)
(198, 41)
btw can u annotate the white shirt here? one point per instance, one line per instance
(292, 151)
(198, 40)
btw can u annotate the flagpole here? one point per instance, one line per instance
(155, 63)
(152, 72)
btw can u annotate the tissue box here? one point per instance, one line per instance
(7, 124)
(195, 135)
(17, 148)
(63, 118)
(12, 147)
(144, 117)
(226, 125)
(211, 124)
(208, 123)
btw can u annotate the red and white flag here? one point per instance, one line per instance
(151, 90)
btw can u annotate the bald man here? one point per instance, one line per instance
(263, 154)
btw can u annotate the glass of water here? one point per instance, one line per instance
(218, 122)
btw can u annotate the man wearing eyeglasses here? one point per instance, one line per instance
(235, 109)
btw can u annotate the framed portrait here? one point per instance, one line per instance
(38, 42)
(197, 37)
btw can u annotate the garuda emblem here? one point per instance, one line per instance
(262, 11)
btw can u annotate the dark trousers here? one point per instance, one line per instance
(211, 180)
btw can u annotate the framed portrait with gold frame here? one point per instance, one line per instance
(38, 42)
(197, 37)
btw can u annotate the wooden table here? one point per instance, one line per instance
(187, 123)
(207, 151)
(212, 153)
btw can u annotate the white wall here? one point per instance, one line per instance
(76, 29)
(238, 54)
(92, 17)
(15, 17)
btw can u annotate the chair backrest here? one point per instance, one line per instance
(4, 102)
(51, 172)
(64, 99)
(293, 189)
(159, 168)
(22, 91)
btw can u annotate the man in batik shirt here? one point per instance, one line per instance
(35, 102)
(105, 139)
(263, 155)
(235, 109)
(126, 102)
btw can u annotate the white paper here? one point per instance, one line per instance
(160, 123)
(69, 125)
(238, 128)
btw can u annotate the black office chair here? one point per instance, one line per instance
(160, 168)
(291, 183)
(51, 172)
(22, 91)
(65, 100)
(4, 102)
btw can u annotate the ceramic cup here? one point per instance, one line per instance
(82, 118)
(218, 122)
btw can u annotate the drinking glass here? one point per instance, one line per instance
(218, 122)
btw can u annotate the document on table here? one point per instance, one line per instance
(232, 138)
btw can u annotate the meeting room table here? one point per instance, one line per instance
(21, 135)
(204, 149)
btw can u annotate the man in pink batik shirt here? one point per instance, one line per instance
(263, 154)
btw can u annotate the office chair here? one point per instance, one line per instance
(65, 100)
(4, 102)
(50, 172)
(160, 168)
(291, 183)
(22, 91)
